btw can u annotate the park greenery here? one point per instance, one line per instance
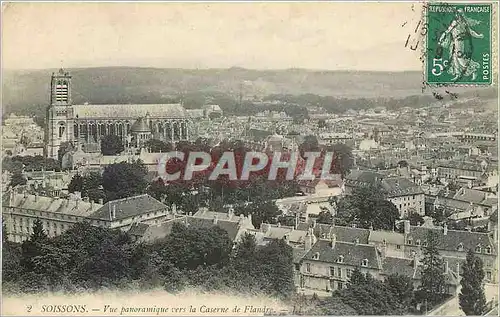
(91, 258)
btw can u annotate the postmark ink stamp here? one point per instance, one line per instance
(458, 44)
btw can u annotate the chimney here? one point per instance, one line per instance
(406, 226)
(445, 267)
(36, 197)
(101, 201)
(114, 211)
(356, 241)
(314, 223)
(445, 229)
(287, 240)
(309, 239)
(415, 262)
(458, 268)
(333, 240)
(215, 219)
(279, 224)
(296, 221)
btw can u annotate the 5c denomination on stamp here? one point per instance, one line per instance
(458, 44)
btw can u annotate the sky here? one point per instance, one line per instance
(330, 36)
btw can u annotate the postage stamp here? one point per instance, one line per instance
(458, 44)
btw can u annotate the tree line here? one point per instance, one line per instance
(91, 258)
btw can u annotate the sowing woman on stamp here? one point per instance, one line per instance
(453, 39)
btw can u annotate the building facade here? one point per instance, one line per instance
(87, 124)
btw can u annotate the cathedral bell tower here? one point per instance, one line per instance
(59, 121)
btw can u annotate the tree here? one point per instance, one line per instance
(111, 145)
(367, 207)
(343, 159)
(157, 189)
(17, 179)
(189, 248)
(415, 218)
(325, 217)
(471, 298)
(124, 179)
(88, 185)
(369, 296)
(276, 268)
(433, 282)
(156, 146)
(76, 184)
(402, 288)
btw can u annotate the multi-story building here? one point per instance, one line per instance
(404, 194)
(325, 264)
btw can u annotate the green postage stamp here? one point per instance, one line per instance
(458, 44)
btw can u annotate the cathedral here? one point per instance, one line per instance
(86, 124)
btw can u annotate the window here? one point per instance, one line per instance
(417, 242)
(297, 267)
(339, 272)
(332, 271)
(341, 285)
(488, 275)
(488, 250)
(398, 247)
(316, 256)
(340, 259)
(308, 267)
(478, 248)
(348, 273)
(364, 262)
(424, 243)
(410, 241)
(460, 247)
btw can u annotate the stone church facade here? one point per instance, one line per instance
(87, 124)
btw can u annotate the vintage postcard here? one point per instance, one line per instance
(249, 158)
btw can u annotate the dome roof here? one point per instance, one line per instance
(140, 126)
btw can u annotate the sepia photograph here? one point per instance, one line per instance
(204, 158)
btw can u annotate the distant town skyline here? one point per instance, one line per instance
(316, 36)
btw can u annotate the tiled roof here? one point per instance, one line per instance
(298, 254)
(400, 186)
(155, 232)
(50, 204)
(470, 195)
(353, 254)
(397, 266)
(367, 177)
(389, 237)
(468, 166)
(453, 238)
(394, 186)
(129, 207)
(344, 234)
(129, 111)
